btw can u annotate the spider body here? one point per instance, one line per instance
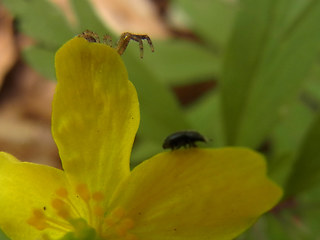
(186, 139)
(122, 42)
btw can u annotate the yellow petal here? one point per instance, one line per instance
(24, 187)
(95, 114)
(197, 194)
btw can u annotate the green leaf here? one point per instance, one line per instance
(292, 128)
(177, 62)
(265, 65)
(306, 170)
(3, 236)
(41, 59)
(44, 22)
(205, 117)
(267, 227)
(280, 167)
(87, 18)
(160, 112)
(309, 211)
(41, 20)
(287, 224)
(143, 150)
(211, 19)
(275, 229)
(312, 88)
(286, 139)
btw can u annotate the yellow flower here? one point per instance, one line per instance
(187, 194)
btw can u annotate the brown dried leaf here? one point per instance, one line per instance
(66, 8)
(25, 113)
(138, 16)
(8, 48)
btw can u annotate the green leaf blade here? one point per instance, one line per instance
(305, 174)
(42, 21)
(272, 72)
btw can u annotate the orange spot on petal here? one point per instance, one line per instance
(37, 220)
(83, 192)
(97, 196)
(57, 203)
(120, 230)
(109, 222)
(98, 211)
(123, 227)
(131, 237)
(64, 213)
(38, 214)
(118, 213)
(128, 223)
(62, 192)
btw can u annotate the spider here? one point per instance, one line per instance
(122, 43)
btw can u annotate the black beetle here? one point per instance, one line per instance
(183, 139)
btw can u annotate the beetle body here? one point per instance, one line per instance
(183, 139)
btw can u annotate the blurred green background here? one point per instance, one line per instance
(241, 72)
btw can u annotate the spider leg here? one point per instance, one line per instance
(123, 42)
(90, 36)
(139, 40)
(141, 48)
(107, 40)
(149, 42)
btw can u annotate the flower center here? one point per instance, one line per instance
(87, 219)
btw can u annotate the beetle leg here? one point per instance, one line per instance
(192, 144)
